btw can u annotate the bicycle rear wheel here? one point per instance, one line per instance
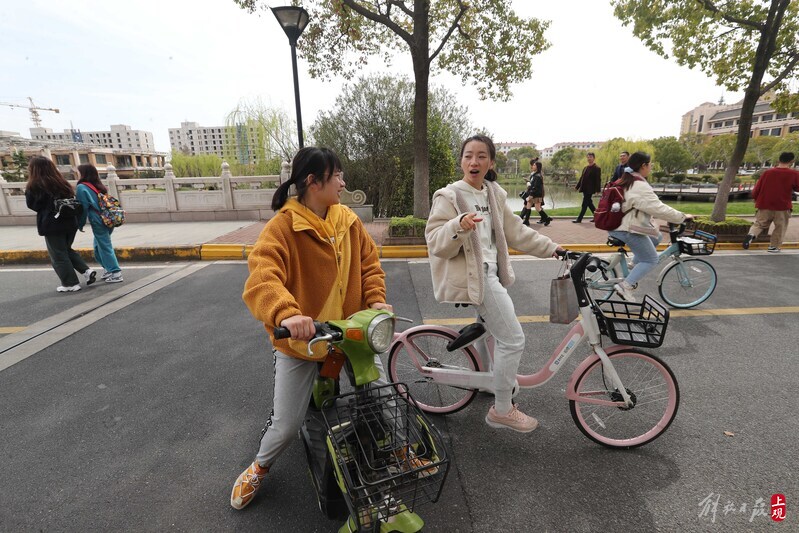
(601, 289)
(430, 348)
(651, 385)
(687, 282)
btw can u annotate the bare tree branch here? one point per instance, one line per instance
(380, 19)
(710, 6)
(455, 24)
(400, 4)
(782, 75)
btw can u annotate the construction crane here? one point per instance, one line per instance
(34, 110)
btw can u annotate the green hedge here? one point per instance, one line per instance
(406, 226)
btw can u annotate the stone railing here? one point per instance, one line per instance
(166, 199)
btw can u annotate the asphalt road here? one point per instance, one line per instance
(135, 406)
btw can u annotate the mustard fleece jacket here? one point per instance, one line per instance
(303, 265)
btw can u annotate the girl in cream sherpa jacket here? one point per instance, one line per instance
(468, 234)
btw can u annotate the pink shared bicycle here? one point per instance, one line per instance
(620, 396)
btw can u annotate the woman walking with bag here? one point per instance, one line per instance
(468, 234)
(56, 221)
(89, 186)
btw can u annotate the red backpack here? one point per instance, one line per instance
(608, 214)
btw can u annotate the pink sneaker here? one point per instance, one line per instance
(515, 420)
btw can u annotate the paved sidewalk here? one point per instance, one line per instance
(231, 239)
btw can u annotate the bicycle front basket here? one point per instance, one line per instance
(699, 243)
(389, 458)
(635, 324)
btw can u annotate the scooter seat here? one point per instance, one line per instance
(613, 241)
(466, 336)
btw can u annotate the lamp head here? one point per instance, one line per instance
(293, 20)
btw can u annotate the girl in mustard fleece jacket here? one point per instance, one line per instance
(314, 260)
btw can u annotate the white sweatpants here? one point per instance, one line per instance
(500, 320)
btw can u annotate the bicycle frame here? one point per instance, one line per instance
(672, 252)
(483, 378)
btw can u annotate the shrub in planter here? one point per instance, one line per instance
(732, 229)
(406, 227)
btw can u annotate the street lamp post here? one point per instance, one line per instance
(293, 21)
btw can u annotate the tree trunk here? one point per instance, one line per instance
(420, 52)
(765, 50)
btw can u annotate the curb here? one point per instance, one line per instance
(131, 253)
(217, 252)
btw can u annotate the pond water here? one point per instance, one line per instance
(557, 196)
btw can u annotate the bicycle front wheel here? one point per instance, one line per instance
(430, 348)
(652, 387)
(601, 289)
(687, 282)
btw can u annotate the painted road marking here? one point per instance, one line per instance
(673, 313)
(9, 330)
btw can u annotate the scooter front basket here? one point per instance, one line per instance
(388, 457)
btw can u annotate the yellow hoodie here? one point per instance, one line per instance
(305, 265)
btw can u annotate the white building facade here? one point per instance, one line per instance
(244, 142)
(719, 119)
(547, 153)
(120, 137)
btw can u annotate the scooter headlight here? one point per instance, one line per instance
(380, 333)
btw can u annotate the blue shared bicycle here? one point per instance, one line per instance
(683, 283)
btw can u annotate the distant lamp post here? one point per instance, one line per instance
(293, 21)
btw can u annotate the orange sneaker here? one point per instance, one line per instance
(408, 461)
(247, 484)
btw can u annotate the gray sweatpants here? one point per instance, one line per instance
(294, 379)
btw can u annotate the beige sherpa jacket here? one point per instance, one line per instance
(456, 258)
(643, 204)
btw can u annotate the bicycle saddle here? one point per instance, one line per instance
(613, 241)
(466, 336)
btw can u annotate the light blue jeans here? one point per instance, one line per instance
(645, 255)
(103, 249)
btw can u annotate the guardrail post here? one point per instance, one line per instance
(112, 180)
(169, 185)
(285, 172)
(4, 209)
(227, 190)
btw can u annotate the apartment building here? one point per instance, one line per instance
(719, 119)
(507, 147)
(120, 136)
(67, 155)
(245, 142)
(547, 153)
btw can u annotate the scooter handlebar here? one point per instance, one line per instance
(284, 333)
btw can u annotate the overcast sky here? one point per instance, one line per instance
(152, 64)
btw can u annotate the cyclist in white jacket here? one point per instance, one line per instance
(636, 229)
(468, 234)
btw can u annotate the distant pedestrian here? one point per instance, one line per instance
(89, 186)
(589, 184)
(56, 221)
(535, 197)
(619, 171)
(772, 194)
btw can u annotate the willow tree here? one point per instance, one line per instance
(482, 41)
(744, 44)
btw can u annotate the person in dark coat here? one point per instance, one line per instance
(56, 221)
(590, 183)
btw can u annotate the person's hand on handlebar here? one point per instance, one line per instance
(301, 327)
(559, 252)
(382, 306)
(688, 217)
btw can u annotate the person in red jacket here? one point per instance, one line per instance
(772, 194)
